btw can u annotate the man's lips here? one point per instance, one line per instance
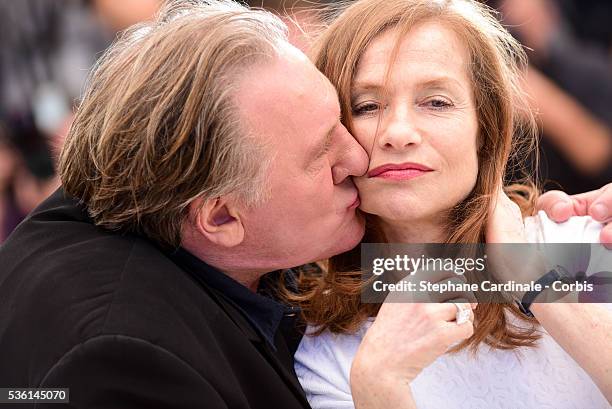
(406, 170)
(355, 203)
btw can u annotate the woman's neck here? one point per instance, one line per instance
(414, 231)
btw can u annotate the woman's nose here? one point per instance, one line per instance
(399, 131)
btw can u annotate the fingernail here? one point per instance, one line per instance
(599, 211)
(559, 210)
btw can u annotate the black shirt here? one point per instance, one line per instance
(263, 312)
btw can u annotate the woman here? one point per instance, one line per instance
(431, 90)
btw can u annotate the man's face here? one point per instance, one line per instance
(311, 210)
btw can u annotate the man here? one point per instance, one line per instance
(203, 131)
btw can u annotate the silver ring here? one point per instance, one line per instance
(463, 314)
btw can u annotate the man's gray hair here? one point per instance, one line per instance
(158, 127)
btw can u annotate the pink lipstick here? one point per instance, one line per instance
(399, 171)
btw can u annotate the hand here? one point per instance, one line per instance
(443, 279)
(523, 263)
(403, 340)
(520, 263)
(505, 224)
(597, 204)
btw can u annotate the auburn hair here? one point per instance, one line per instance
(332, 300)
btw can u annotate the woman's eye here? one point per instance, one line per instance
(439, 103)
(365, 108)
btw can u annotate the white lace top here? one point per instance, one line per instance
(544, 377)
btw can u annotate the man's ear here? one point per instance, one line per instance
(219, 221)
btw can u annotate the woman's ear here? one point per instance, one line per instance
(219, 221)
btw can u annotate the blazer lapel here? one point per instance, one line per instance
(281, 359)
(284, 365)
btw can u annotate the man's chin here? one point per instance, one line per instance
(352, 236)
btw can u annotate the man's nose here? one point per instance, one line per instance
(352, 159)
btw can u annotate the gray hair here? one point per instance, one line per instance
(157, 126)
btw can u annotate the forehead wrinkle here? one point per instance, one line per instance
(313, 99)
(416, 47)
(320, 97)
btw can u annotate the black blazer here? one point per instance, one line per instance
(112, 318)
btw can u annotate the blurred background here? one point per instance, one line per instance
(47, 48)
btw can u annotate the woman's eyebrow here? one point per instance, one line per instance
(365, 86)
(360, 88)
(441, 82)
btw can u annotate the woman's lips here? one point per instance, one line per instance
(402, 171)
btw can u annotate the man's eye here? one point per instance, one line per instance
(365, 108)
(326, 149)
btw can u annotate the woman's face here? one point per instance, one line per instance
(423, 155)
